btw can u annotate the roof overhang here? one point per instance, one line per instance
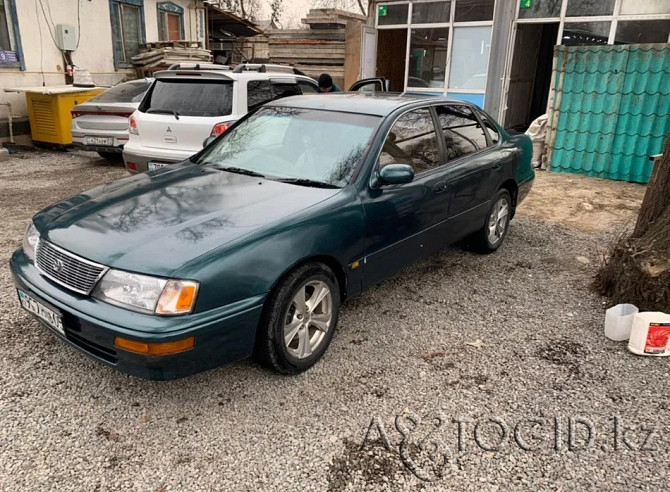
(227, 23)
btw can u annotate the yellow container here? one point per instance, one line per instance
(49, 112)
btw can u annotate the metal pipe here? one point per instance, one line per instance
(9, 121)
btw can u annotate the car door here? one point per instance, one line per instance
(406, 222)
(370, 86)
(472, 168)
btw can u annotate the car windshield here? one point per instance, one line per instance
(191, 98)
(299, 145)
(124, 93)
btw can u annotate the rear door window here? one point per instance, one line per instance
(123, 93)
(258, 93)
(490, 128)
(261, 91)
(284, 89)
(308, 88)
(463, 134)
(191, 98)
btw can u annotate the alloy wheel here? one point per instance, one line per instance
(498, 220)
(308, 319)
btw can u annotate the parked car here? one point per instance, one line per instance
(251, 245)
(183, 108)
(101, 123)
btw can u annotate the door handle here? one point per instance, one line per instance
(440, 187)
(497, 165)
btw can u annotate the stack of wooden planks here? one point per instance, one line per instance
(319, 49)
(156, 56)
(312, 51)
(330, 18)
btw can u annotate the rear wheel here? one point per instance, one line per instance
(491, 236)
(111, 156)
(299, 319)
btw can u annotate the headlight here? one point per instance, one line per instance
(30, 241)
(147, 294)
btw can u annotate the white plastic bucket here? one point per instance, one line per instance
(619, 321)
(650, 334)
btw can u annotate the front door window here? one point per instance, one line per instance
(412, 141)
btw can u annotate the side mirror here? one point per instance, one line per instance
(207, 141)
(396, 174)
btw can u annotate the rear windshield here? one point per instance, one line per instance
(124, 93)
(191, 98)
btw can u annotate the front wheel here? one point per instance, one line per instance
(299, 319)
(491, 236)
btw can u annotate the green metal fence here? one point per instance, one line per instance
(611, 109)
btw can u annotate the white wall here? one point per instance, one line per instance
(43, 61)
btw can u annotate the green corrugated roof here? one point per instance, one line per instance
(614, 109)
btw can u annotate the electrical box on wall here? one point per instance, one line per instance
(66, 37)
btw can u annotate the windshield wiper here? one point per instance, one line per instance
(164, 111)
(307, 182)
(239, 170)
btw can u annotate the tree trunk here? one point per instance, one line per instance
(657, 197)
(637, 269)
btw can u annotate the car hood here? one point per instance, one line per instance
(157, 222)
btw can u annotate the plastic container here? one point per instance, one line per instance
(619, 321)
(650, 334)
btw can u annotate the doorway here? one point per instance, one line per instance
(391, 52)
(530, 74)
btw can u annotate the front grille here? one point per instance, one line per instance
(67, 269)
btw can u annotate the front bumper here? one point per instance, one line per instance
(221, 336)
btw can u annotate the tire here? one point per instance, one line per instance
(487, 239)
(111, 156)
(290, 340)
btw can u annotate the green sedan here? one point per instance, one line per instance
(252, 245)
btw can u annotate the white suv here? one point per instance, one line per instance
(183, 108)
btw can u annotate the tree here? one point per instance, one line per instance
(637, 270)
(276, 9)
(247, 9)
(347, 5)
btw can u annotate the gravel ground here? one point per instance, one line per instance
(477, 339)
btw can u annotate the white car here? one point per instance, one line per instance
(183, 108)
(101, 124)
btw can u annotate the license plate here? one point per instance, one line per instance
(156, 165)
(51, 318)
(106, 141)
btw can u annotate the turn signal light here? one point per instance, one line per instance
(159, 348)
(178, 297)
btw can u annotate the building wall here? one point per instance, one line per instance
(44, 62)
(577, 22)
(438, 47)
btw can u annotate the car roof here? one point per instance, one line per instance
(379, 104)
